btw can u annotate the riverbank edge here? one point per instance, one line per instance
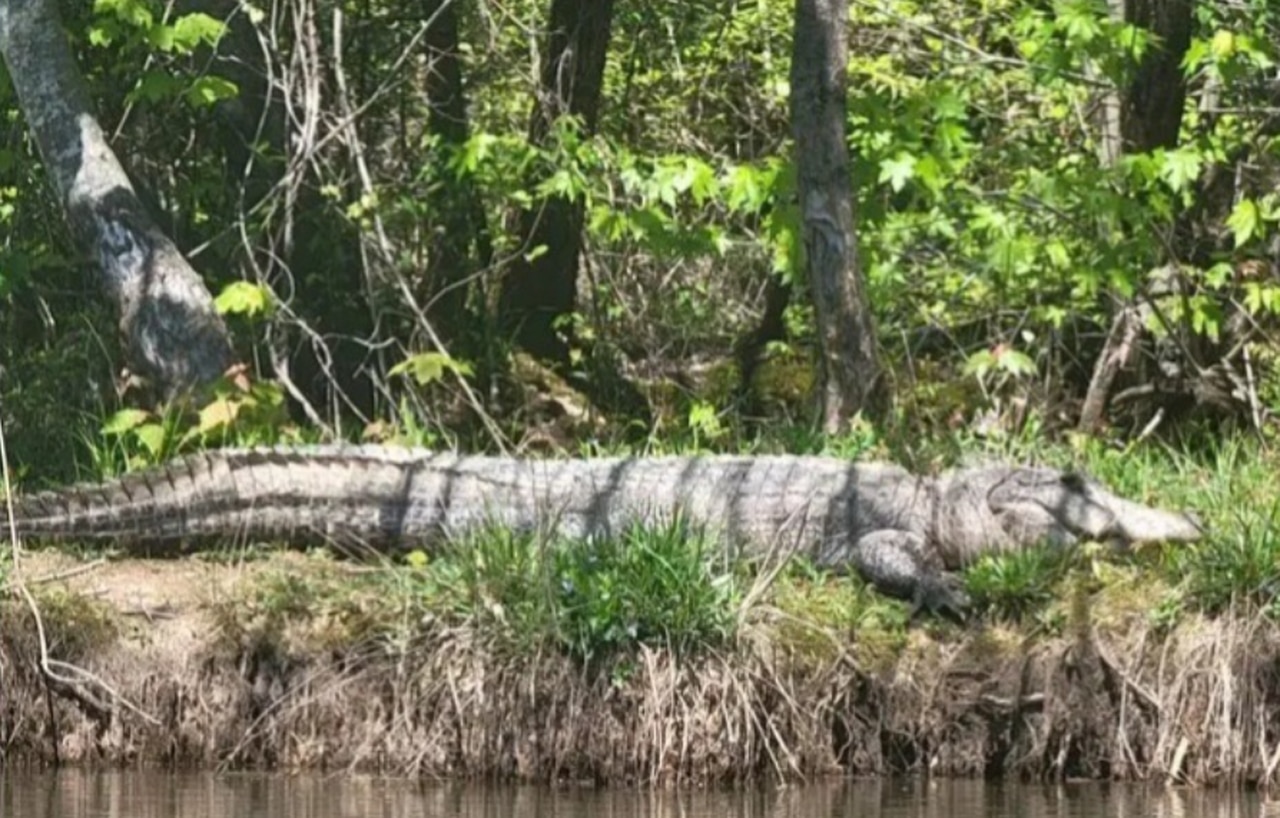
(156, 663)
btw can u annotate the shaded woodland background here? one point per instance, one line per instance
(419, 226)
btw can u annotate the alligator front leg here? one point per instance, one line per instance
(896, 562)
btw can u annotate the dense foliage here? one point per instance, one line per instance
(361, 209)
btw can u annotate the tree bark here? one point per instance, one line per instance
(1153, 102)
(540, 291)
(1144, 115)
(851, 374)
(251, 124)
(172, 334)
(459, 208)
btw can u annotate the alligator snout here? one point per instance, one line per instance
(1138, 523)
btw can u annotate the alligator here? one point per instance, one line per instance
(904, 533)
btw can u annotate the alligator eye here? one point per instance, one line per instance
(1073, 480)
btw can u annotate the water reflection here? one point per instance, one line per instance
(153, 795)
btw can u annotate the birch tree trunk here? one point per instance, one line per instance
(851, 374)
(172, 335)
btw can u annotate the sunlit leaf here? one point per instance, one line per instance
(125, 420)
(1244, 221)
(898, 171)
(428, 367)
(244, 298)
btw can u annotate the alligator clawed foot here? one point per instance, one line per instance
(940, 595)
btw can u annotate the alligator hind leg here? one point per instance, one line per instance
(895, 562)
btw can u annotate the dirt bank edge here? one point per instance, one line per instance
(215, 684)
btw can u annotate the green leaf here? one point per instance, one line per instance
(1196, 54)
(980, 363)
(703, 184)
(209, 90)
(1014, 362)
(898, 171)
(1180, 168)
(429, 367)
(134, 12)
(474, 153)
(124, 421)
(1259, 298)
(1206, 317)
(1079, 22)
(1223, 44)
(929, 172)
(103, 34)
(560, 183)
(161, 38)
(152, 437)
(219, 413)
(156, 85)
(195, 29)
(1011, 256)
(747, 191)
(1058, 254)
(1244, 221)
(243, 298)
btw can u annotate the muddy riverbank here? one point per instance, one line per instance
(274, 663)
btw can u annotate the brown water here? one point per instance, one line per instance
(145, 795)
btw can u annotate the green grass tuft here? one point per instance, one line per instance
(665, 585)
(1015, 585)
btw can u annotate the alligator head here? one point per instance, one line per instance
(1086, 509)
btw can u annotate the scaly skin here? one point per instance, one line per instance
(900, 531)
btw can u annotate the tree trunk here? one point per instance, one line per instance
(462, 219)
(1146, 113)
(1143, 116)
(251, 124)
(1153, 102)
(172, 334)
(851, 375)
(540, 291)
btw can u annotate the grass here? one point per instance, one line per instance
(593, 599)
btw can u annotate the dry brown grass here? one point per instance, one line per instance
(1197, 704)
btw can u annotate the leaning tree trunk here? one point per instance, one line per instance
(540, 290)
(851, 375)
(172, 334)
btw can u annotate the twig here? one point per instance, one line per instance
(384, 247)
(57, 576)
(1151, 426)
